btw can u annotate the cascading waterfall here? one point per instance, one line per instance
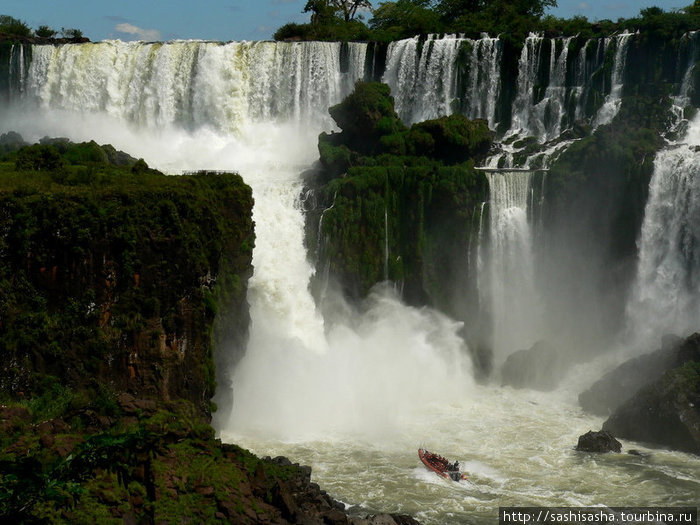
(686, 87)
(196, 84)
(544, 118)
(17, 70)
(612, 102)
(528, 68)
(424, 77)
(511, 290)
(353, 390)
(257, 107)
(666, 296)
(425, 83)
(484, 79)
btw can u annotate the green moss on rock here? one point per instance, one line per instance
(396, 203)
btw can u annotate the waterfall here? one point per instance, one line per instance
(613, 100)
(666, 294)
(352, 389)
(510, 274)
(424, 85)
(484, 79)
(425, 77)
(528, 67)
(195, 84)
(15, 82)
(257, 108)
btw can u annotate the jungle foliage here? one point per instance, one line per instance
(84, 274)
(513, 19)
(14, 29)
(397, 203)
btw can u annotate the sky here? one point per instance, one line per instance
(227, 20)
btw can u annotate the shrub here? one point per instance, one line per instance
(12, 26)
(46, 32)
(38, 157)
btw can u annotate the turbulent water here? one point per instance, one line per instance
(666, 295)
(353, 391)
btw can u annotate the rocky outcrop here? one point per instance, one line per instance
(161, 467)
(620, 384)
(600, 441)
(398, 204)
(665, 413)
(117, 285)
(540, 367)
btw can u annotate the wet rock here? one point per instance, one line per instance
(620, 384)
(601, 441)
(540, 367)
(665, 413)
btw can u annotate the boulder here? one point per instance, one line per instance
(620, 384)
(540, 367)
(665, 413)
(601, 441)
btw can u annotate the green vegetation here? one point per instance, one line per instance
(372, 134)
(409, 191)
(14, 29)
(102, 258)
(154, 465)
(111, 275)
(393, 20)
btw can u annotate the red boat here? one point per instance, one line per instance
(440, 465)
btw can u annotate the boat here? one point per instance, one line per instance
(440, 465)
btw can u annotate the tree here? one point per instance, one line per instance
(46, 32)
(323, 9)
(14, 27)
(452, 9)
(71, 33)
(405, 18)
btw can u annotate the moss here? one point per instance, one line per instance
(91, 267)
(397, 203)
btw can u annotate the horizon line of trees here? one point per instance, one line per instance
(13, 27)
(397, 19)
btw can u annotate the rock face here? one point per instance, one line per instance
(666, 412)
(620, 384)
(601, 441)
(540, 367)
(116, 286)
(113, 280)
(401, 205)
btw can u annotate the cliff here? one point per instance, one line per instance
(111, 275)
(120, 289)
(398, 204)
(110, 281)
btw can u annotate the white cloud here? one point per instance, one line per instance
(149, 35)
(583, 6)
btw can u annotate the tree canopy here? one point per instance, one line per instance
(13, 28)
(514, 19)
(346, 9)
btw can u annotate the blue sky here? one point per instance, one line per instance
(231, 19)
